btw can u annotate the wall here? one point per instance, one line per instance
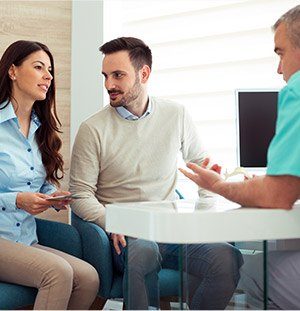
(48, 22)
(73, 32)
(87, 36)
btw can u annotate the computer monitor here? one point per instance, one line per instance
(256, 113)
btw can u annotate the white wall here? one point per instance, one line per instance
(86, 80)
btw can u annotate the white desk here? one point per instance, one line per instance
(211, 220)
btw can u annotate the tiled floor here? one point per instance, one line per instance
(113, 305)
(238, 302)
(118, 304)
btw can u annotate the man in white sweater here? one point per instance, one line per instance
(127, 152)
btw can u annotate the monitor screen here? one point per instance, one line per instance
(256, 120)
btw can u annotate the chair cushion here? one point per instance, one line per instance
(16, 296)
(169, 282)
(60, 236)
(117, 287)
(97, 252)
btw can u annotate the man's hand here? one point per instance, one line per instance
(118, 238)
(205, 178)
(215, 167)
(32, 203)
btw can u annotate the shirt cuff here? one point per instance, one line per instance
(8, 200)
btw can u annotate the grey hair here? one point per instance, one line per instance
(291, 19)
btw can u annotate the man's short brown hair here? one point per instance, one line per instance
(139, 53)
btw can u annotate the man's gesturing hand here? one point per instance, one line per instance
(203, 177)
(215, 167)
(118, 238)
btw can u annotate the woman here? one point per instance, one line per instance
(30, 166)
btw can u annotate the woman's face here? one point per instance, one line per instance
(32, 79)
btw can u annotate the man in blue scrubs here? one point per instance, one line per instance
(280, 187)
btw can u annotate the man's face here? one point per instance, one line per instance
(289, 55)
(121, 79)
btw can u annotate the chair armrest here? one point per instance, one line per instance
(96, 251)
(60, 236)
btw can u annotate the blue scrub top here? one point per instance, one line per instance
(284, 150)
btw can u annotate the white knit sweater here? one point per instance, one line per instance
(117, 160)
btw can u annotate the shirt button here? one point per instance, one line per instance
(29, 149)
(3, 208)
(32, 168)
(18, 224)
(29, 183)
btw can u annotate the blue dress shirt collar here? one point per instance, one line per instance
(125, 114)
(8, 113)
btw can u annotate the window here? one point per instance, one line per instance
(203, 50)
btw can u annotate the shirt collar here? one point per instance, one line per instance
(124, 113)
(8, 113)
(35, 118)
(293, 77)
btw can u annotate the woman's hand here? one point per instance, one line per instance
(62, 204)
(33, 203)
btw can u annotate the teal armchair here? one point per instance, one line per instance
(52, 234)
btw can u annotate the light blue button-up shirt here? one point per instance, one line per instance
(126, 114)
(21, 170)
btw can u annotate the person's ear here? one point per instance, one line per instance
(145, 73)
(12, 72)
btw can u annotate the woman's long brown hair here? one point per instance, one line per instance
(47, 134)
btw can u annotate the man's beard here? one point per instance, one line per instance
(132, 95)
